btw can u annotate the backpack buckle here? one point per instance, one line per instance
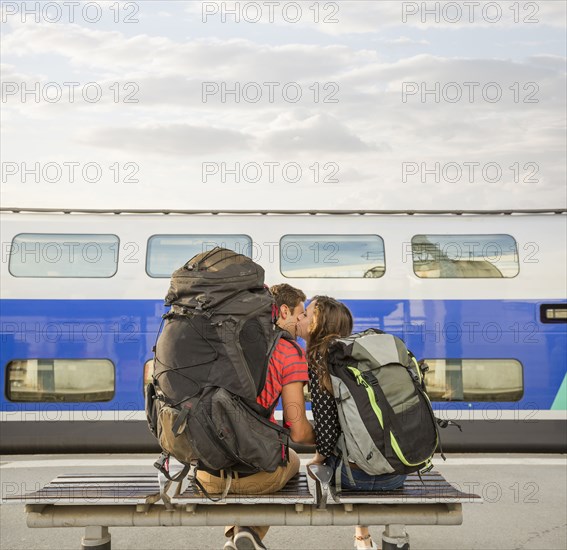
(162, 464)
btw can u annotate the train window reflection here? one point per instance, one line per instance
(474, 379)
(166, 253)
(60, 380)
(464, 256)
(329, 256)
(63, 255)
(553, 313)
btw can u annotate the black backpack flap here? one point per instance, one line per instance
(227, 434)
(229, 349)
(194, 353)
(249, 334)
(418, 437)
(258, 443)
(340, 352)
(210, 278)
(185, 356)
(183, 433)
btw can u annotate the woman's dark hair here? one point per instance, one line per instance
(331, 319)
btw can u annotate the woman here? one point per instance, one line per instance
(324, 320)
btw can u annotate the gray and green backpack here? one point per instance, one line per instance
(388, 425)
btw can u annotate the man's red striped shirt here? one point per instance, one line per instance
(286, 366)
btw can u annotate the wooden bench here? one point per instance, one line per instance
(98, 502)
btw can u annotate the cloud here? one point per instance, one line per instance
(368, 133)
(431, 69)
(366, 17)
(183, 140)
(314, 134)
(405, 41)
(110, 52)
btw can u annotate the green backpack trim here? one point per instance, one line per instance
(375, 407)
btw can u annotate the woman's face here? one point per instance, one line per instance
(304, 321)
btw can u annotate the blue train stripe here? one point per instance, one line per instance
(124, 331)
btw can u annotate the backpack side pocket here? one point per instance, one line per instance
(177, 443)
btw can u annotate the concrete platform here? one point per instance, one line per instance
(525, 504)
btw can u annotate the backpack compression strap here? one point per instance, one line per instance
(343, 459)
(198, 486)
(162, 464)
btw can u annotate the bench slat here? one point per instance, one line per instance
(296, 491)
(95, 489)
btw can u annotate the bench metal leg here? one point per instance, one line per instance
(96, 538)
(395, 537)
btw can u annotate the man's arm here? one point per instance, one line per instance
(293, 404)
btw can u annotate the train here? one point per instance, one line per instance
(481, 296)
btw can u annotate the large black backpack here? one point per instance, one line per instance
(210, 364)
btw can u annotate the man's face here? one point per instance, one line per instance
(288, 319)
(304, 320)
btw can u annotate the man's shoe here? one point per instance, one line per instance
(229, 545)
(247, 539)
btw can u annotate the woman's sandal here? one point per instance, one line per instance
(358, 539)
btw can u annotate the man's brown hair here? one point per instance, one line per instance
(287, 295)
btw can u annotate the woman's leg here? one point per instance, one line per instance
(367, 482)
(362, 537)
(388, 482)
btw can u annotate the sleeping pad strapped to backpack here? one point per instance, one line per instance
(388, 425)
(210, 365)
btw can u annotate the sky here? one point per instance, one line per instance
(373, 105)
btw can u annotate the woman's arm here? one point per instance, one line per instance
(326, 416)
(318, 458)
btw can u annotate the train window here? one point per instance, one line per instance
(63, 255)
(474, 379)
(166, 253)
(553, 313)
(464, 256)
(329, 256)
(60, 380)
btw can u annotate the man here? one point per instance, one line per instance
(291, 305)
(286, 376)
